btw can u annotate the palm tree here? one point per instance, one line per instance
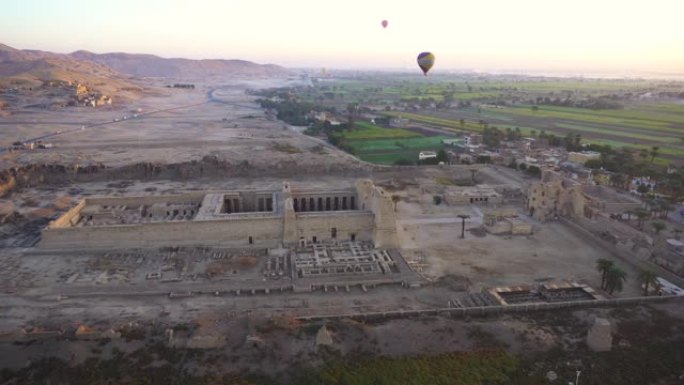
(648, 278)
(618, 180)
(658, 227)
(654, 152)
(676, 188)
(641, 214)
(614, 279)
(651, 203)
(602, 266)
(665, 208)
(352, 110)
(463, 218)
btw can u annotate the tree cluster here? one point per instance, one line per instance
(612, 277)
(625, 164)
(571, 142)
(598, 103)
(493, 136)
(290, 111)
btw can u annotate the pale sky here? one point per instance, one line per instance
(570, 35)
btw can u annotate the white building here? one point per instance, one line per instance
(426, 155)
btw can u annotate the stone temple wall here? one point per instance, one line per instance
(372, 220)
(316, 227)
(266, 232)
(71, 217)
(378, 201)
(555, 195)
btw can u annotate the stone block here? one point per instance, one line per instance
(599, 338)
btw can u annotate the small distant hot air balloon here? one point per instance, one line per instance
(384, 23)
(425, 61)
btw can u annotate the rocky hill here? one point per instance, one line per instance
(154, 66)
(86, 78)
(30, 68)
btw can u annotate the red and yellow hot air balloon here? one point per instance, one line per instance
(425, 61)
(384, 23)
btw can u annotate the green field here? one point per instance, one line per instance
(447, 123)
(556, 85)
(607, 131)
(388, 151)
(475, 95)
(677, 152)
(365, 130)
(637, 122)
(632, 128)
(387, 145)
(389, 158)
(664, 123)
(420, 143)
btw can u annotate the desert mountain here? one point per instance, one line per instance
(8, 53)
(155, 66)
(33, 67)
(30, 68)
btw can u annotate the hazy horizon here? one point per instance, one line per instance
(584, 37)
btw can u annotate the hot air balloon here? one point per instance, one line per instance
(425, 61)
(384, 23)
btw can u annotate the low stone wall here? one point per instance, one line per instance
(520, 228)
(70, 217)
(496, 310)
(502, 212)
(265, 232)
(499, 228)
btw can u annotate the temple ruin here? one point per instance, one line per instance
(555, 195)
(292, 216)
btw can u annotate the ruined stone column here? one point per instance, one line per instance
(289, 217)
